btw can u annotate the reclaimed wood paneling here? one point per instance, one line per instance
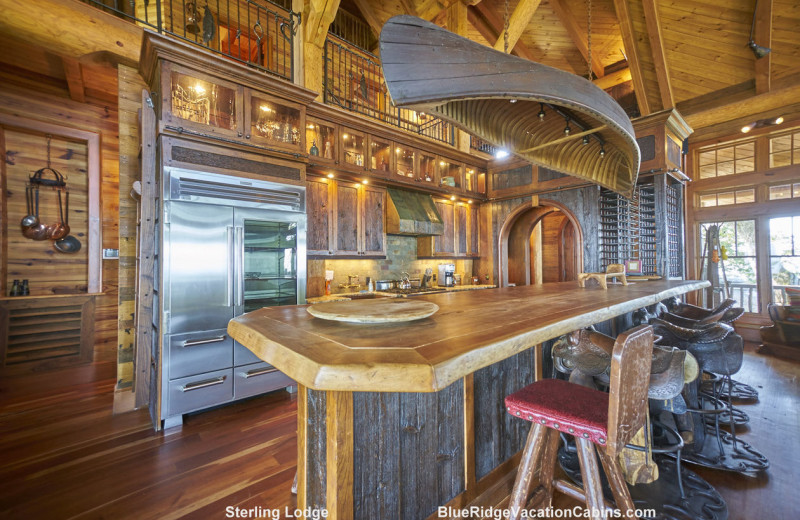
(498, 435)
(347, 218)
(316, 434)
(318, 204)
(21, 101)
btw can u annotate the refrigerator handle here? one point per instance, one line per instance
(240, 266)
(231, 264)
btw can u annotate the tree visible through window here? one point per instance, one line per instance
(737, 263)
(784, 256)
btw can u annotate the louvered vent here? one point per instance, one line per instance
(227, 190)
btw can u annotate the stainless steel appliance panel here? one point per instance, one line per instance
(243, 355)
(199, 279)
(197, 352)
(200, 391)
(258, 378)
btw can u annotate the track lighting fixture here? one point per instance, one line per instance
(541, 112)
(585, 139)
(602, 152)
(567, 129)
(757, 49)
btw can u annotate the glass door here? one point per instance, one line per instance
(270, 264)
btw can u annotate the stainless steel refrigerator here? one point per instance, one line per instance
(230, 245)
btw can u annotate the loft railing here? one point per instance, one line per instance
(746, 295)
(353, 80)
(476, 143)
(258, 33)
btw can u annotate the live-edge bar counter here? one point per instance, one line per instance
(395, 420)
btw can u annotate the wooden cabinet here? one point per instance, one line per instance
(461, 232)
(345, 219)
(273, 122)
(211, 106)
(322, 142)
(380, 156)
(354, 149)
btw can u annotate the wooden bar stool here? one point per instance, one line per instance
(607, 420)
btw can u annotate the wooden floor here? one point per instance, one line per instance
(64, 455)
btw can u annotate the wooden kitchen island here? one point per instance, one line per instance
(395, 420)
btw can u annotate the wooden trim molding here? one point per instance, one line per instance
(92, 140)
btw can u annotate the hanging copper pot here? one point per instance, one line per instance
(61, 229)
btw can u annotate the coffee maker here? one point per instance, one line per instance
(447, 275)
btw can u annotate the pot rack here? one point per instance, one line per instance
(547, 116)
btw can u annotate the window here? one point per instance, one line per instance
(726, 160)
(725, 198)
(784, 150)
(784, 191)
(736, 265)
(784, 256)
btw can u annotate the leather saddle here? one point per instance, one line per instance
(716, 346)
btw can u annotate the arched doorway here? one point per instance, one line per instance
(539, 244)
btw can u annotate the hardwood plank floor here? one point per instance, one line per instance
(63, 454)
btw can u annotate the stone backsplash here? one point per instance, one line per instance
(401, 257)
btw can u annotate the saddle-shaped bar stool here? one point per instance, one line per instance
(594, 418)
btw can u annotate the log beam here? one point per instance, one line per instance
(517, 23)
(762, 35)
(71, 28)
(632, 55)
(74, 75)
(734, 107)
(317, 18)
(577, 35)
(659, 56)
(613, 79)
(486, 21)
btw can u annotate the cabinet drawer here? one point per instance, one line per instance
(258, 378)
(200, 391)
(198, 352)
(243, 355)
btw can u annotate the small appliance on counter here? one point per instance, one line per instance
(447, 275)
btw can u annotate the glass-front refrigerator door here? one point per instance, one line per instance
(271, 260)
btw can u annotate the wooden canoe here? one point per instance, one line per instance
(498, 97)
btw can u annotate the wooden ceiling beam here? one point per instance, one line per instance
(318, 16)
(613, 79)
(632, 55)
(457, 19)
(435, 9)
(495, 24)
(408, 8)
(762, 35)
(74, 75)
(734, 107)
(71, 28)
(580, 39)
(659, 56)
(517, 23)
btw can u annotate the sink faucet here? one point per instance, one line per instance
(350, 284)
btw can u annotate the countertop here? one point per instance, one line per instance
(472, 329)
(342, 297)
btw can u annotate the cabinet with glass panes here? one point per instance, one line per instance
(202, 103)
(405, 161)
(427, 169)
(450, 174)
(354, 148)
(273, 122)
(380, 156)
(475, 180)
(321, 142)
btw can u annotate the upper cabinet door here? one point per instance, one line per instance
(354, 149)
(380, 156)
(321, 142)
(348, 216)
(374, 236)
(319, 206)
(445, 243)
(203, 103)
(274, 122)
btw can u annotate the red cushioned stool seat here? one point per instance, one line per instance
(563, 406)
(602, 423)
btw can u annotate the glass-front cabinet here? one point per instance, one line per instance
(205, 103)
(427, 168)
(270, 264)
(273, 122)
(450, 174)
(353, 148)
(321, 141)
(475, 180)
(380, 156)
(405, 158)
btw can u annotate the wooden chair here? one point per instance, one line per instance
(612, 271)
(607, 420)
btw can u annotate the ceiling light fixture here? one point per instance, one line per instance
(541, 112)
(757, 49)
(770, 121)
(500, 153)
(567, 129)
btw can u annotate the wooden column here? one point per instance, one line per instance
(339, 458)
(302, 436)
(317, 18)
